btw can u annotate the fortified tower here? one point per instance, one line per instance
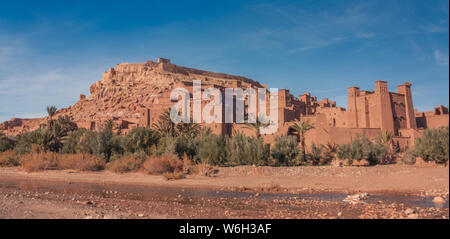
(383, 106)
(405, 90)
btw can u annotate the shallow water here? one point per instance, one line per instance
(145, 193)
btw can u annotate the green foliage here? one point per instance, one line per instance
(316, 154)
(212, 149)
(139, 139)
(72, 142)
(433, 145)
(186, 144)
(242, 150)
(299, 129)
(385, 138)
(166, 145)
(164, 126)
(48, 138)
(51, 110)
(362, 148)
(103, 143)
(7, 143)
(285, 150)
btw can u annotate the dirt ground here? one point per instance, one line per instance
(395, 191)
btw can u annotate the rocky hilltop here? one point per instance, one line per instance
(126, 91)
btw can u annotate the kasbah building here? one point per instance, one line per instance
(136, 94)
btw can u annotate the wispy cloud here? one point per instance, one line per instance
(313, 29)
(441, 58)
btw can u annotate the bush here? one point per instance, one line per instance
(204, 170)
(125, 164)
(433, 145)
(173, 175)
(103, 144)
(83, 162)
(163, 164)
(50, 160)
(166, 145)
(212, 149)
(316, 154)
(9, 159)
(362, 148)
(140, 139)
(7, 143)
(186, 145)
(285, 150)
(409, 158)
(38, 162)
(72, 143)
(244, 150)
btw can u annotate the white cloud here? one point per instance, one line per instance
(366, 35)
(441, 58)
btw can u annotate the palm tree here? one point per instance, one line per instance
(385, 138)
(188, 129)
(299, 128)
(51, 110)
(165, 126)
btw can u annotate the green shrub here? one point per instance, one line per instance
(285, 150)
(242, 150)
(362, 148)
(315, 155)
(71, 144)
(409, 158)
(166, 145)
(433, 145)
(139, 139)
(7, 143)
(186, 144)
(212, 149)
(104, 143)
(26, 140)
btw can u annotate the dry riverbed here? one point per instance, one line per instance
(393, 191)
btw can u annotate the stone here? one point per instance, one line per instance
(409, 211)
(438, 200)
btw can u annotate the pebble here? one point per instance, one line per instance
(438, 200)
(409, 211)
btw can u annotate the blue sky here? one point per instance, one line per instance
(51, 51)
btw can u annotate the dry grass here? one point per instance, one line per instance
(9, 159)
(163, 164)
(83, 162)
(173, 175)
(125, 164)
(204, 170)
(39, 161)
(46, 161)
